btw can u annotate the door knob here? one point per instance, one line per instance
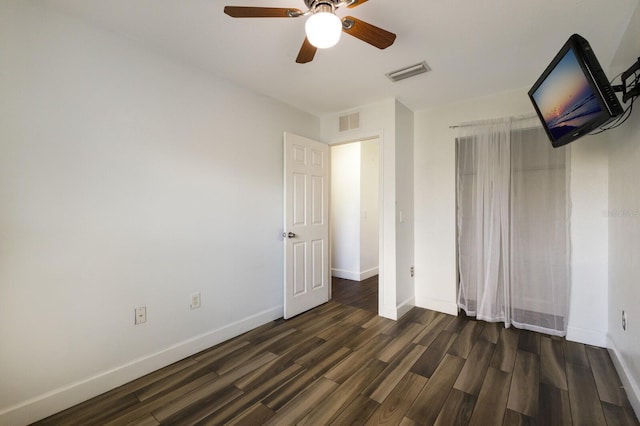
(289, 235)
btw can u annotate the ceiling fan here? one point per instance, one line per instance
(323, 27)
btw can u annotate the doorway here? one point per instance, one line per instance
(355, 222)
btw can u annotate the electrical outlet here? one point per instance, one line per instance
(195, 300)
(140, 315)
(412, 271)
(624, 320)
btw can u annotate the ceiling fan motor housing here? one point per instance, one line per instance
(312, 4)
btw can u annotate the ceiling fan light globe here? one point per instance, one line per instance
(323, 29)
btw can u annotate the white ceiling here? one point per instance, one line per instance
(474, 47)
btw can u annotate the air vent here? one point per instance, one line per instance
(349, 122)
(409, 71)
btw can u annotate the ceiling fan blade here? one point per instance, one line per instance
(307, 52)
(356, 3)
(261, 12)
(366, 32)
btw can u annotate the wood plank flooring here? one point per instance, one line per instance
(343, 365)
(360, 294)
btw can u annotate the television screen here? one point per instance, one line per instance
(573, 97)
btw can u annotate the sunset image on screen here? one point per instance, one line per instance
(565, 98)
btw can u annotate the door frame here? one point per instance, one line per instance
(352, 138)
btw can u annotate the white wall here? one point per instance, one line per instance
(354, 210)
(370, 204)
(624, 230)
(435, 232)
(404, 209)
(345, 211)
(589, 241)
(125, 179)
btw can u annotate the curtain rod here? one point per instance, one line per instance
(493, 121)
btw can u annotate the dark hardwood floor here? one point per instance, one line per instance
(344, 365)
(359, 294)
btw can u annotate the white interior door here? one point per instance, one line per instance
(306, 227)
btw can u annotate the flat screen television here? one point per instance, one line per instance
(573, 96)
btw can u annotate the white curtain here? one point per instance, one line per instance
(513, 251)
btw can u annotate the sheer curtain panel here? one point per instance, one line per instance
(512, 222)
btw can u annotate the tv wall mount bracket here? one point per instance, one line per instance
(628, 93)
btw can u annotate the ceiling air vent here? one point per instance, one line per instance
(349, 122)
(409, 71)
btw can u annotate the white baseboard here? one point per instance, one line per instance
(588, 337)
(354, 275)
(443, 306)
(62, 398)
(406, 306)
(368, 273)
(345, 275)
(631, 386)
(397, 312)
(390, 312)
